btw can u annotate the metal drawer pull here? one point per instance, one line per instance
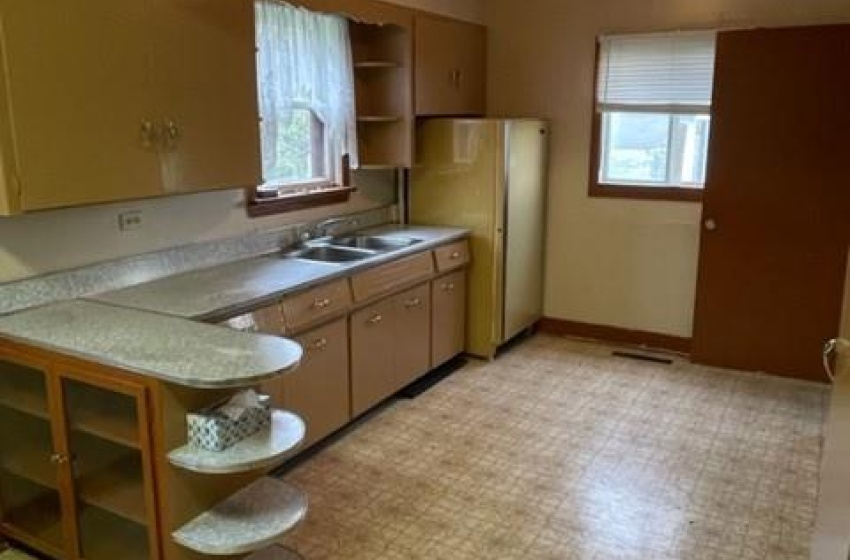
(448, 287)
(318, 344)
(415, 302)
(376, 318)
(455, 256)
(321, 303)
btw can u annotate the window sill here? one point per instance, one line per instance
(257, 208)
(672, 194)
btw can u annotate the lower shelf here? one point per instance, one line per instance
(254, 518)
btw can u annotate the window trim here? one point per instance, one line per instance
(597, 189)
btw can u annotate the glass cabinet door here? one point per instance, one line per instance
(110, 463)
(30, 505)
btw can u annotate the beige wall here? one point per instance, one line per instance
(471, 10)
(629, 264)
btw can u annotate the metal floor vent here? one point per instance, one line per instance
(642, 357)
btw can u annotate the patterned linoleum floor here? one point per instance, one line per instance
(560, 451)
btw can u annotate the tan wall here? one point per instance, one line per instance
(628, 264)
(471, 10)
(845, 320)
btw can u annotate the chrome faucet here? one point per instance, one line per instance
(324, 228)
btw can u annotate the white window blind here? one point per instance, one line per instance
(669, 72)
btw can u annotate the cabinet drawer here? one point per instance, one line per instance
(313, 305)
(392, 275)
(452, 256)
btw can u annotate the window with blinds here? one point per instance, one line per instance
(653, 97)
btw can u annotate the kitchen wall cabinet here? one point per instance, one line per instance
(105, 101)
(318, 390)
(449, 61)
(448, 328)
(76, 471)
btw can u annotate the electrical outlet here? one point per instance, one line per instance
(128, 221)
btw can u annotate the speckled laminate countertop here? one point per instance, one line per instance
(227, 290)
(167, 348)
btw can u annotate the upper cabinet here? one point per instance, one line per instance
(105, 101)
(450, 67)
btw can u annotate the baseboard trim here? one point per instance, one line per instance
(605, 333)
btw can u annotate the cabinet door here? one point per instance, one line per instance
(30, 503)
(450, 58)
(448, 329)
(106, 447)
(206, 79)
(372, 340)
(412, 334)
(318, 390)
(77, 98)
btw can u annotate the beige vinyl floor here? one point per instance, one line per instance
(558, 450)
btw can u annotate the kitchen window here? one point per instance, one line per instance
(307, 105)
(652, 115)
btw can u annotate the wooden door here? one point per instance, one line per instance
(77, 101)
(411, 343)
(206, 81)
(776, 206)
(372, 338)
(449, 63)
(448, 327)
(105, 446)
(319, 390)
(30, 496)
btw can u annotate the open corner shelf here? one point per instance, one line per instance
(264, 449)
(254, 518)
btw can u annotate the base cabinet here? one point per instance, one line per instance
(389, 346)
(448, 327)
(318, 390)
(76, 470)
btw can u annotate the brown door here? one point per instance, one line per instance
(372, 337)
(411, 344)
(448, 322)
(777, 201)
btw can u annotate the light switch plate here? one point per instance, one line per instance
(129, 221)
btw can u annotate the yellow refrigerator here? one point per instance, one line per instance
(489, 175)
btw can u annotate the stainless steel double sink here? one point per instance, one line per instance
(349, 248)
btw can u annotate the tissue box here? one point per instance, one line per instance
(214, 430)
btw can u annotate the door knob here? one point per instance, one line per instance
(710, 224)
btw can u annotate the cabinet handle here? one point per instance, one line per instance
(321, 303)
(455, 256)
(448, 287)
(59, 459)
(376, 318)
(148, 135)
(410, 303)
(172, 134)
(318, 344)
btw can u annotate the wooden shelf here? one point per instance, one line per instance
(118, 489)
(22, 400)
(34, 524)
(379, 119)
(373, 64)
(252, 519)
(107, 425)
(106, 537)
(260, 451)
(114, 488)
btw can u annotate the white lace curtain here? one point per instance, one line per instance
(304, 60)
